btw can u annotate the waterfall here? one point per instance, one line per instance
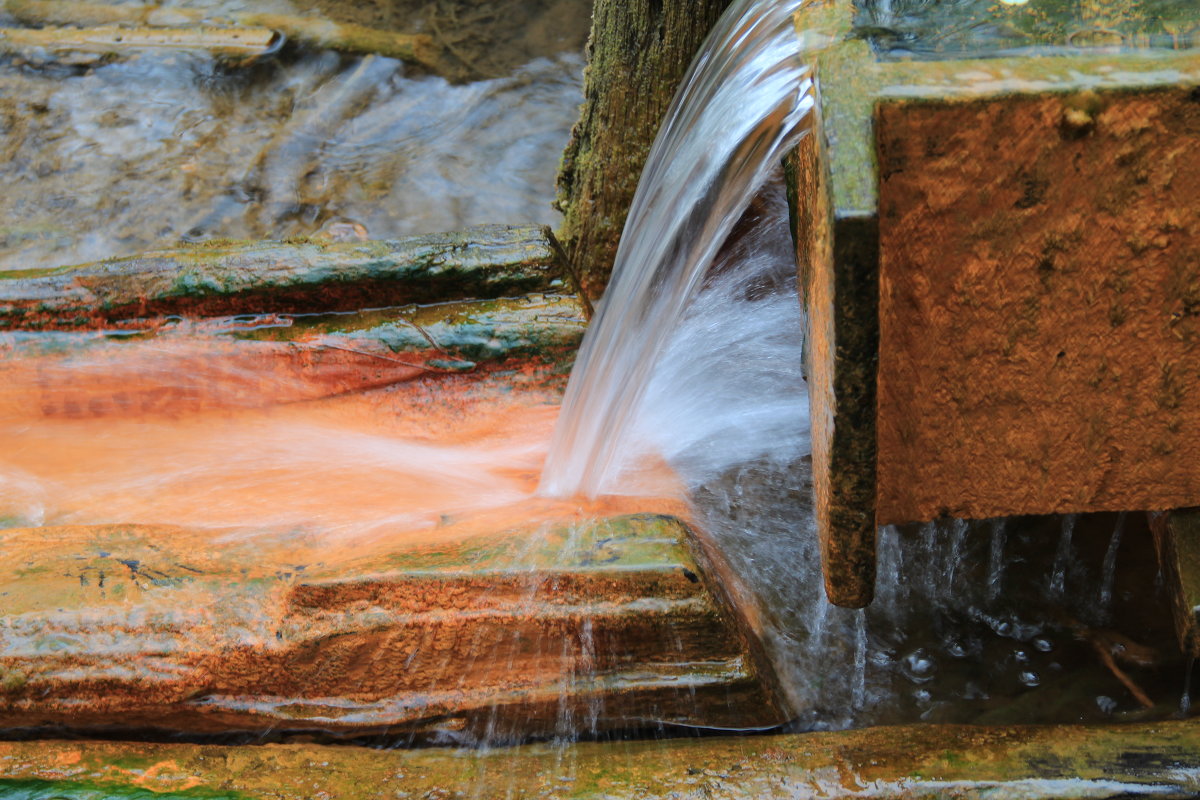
(694, 359)
(745, 102)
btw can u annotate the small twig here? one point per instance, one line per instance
(429, 338)
(1110, 646)
(346, 37)
(1106, 656)
(242, 43)
(571, 270)
(381, 357)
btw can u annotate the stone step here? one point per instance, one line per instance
(1161, 760)
(553, 629)
(256, 361)
(306, 275)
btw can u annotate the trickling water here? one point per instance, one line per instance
(860, 660)
(744, 103)
(1109, 569)
(996, 558)
(1062, 558)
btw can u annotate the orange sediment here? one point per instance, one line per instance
(268, 439)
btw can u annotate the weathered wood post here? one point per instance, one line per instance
(999, 231)
(638, 53)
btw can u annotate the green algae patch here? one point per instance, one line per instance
(72, 790)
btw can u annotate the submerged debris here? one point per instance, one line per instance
(88, 45)
(416, 48)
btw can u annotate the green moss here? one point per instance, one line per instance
(73, 790)
(12, 680)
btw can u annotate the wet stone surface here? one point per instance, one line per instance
(564, 629)
(887, 763)
(114, 158)
(973, 28)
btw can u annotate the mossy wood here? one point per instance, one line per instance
(610, 624)
(1001, 261)
(306, 275)
(638, 53)
(1177, 541)
(895, 763)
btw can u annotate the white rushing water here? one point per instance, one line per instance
(746, 101)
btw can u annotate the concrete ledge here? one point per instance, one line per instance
(1161, 760)
(554, 630)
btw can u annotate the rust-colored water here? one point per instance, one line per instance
(262, 438)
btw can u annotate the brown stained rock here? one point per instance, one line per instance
(837, 260)
(926, 761)
(220, 364)
(837, 255)
(1039, 308)
(559, 629)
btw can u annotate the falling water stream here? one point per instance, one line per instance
(742, 106)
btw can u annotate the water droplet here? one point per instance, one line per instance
(1043, 644)
(922, 696)
(1021, 656)
(918, 666)
(1029, 678)
(1106, 704)
(956, 649)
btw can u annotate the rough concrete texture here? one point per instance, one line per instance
(906, 762)
(560, 629)
(223, 277)
(1039, 312)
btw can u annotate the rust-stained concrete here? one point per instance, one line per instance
(561, 628)
(1007, 261)
(1157, 760)
(1039, 311)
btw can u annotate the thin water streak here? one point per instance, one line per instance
(1109, 568)
(1062, 557)
(998, 531)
